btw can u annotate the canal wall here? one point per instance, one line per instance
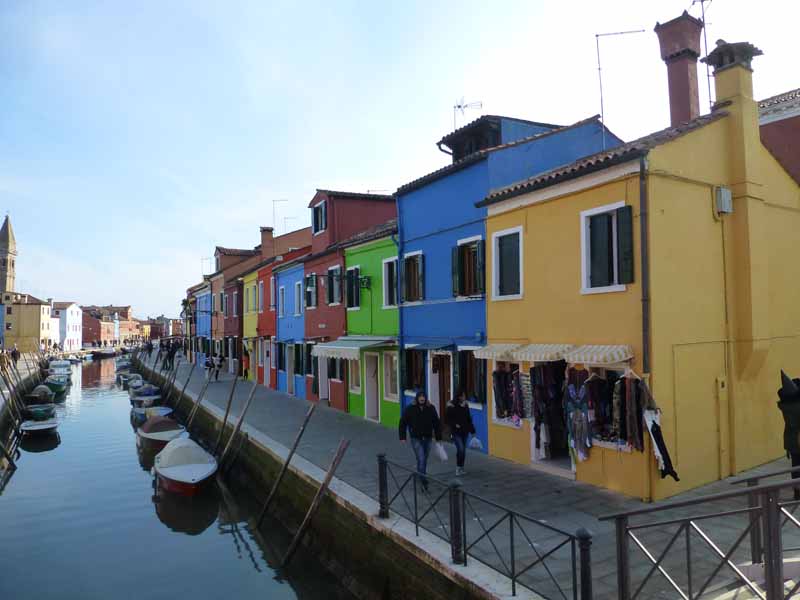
(375, 559)
(29, 380)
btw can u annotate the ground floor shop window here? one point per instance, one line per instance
(470, 376)
(336, 368)
(281, 356)
(390, 391)
(298, 359)
(355, 376)
(308, 360)
(414, 366)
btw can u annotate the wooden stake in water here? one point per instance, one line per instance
(239, 422)
(8, 456)
(285, 466)
(337, 458)
(197, 404)
(227, 412)
(185, 385)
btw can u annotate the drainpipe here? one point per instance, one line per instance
(397, 239)
(643, 234)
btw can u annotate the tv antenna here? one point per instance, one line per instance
(597, 37)
(463, 106)
(702, 4)
(286, 223)
(274, 202)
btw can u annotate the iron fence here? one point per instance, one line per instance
(531, 553)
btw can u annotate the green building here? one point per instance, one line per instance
(373, 324)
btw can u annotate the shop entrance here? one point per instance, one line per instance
(542, 390)
(441, 388)
(371, 386)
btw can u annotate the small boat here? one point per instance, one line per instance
(57, 383)
(144, 401)
(74, 360)
(158, 411)
(39, 427)
(183, 466)
(40, 443)
(160, 430)
(41, 394)
(39, 412)
(148, 389)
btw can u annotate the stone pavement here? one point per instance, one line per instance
(561, 503)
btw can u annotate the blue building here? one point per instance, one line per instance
(290, 348)
(203, 324)
(442, 243)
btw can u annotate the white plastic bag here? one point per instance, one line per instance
(440, 452)
(476, 444)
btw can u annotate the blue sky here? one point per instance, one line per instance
(136, 136)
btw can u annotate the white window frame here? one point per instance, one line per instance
(384, 282)
(354, 389)
(496, 264)
(298, 298)
(341, 291)
(313, 208)
(261, 296)
(586, 288)
(281, 301)
(316, 291)
(273, 300)
(358, 287)
(386, 395)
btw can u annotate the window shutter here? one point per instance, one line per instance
(480, 268)
(357, 288)
(340, 291)
(625, 244)
(421, 275)
(402, 357)
(481, 381)
(600, 250)
(457, 372)
(329, 288)
(401, 281)
(455, 269)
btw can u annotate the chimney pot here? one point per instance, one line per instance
(679, 40)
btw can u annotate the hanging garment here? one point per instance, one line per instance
(582, 439)
(499, 387)
(652, 419)
(633, 416)
(616, 410)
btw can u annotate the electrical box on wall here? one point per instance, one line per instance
(723, 200)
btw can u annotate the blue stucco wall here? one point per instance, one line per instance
(511, 130)
(290, 326)
(203, 325)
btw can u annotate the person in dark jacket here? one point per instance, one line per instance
(789, 404)
(459, 420)
(422, 422)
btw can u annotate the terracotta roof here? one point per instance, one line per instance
(373, 233)
(481, 154)
(484, 118)
(601, 160)
(363, 196)
(235, 251)
(782, 103)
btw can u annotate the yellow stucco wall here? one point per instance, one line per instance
(30, 324)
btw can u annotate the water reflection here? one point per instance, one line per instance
(40, 443)
(191, 515)
(146, 453)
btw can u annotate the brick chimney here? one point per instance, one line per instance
(267, 243)
(680, 48)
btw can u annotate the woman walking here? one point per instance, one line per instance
(422, 422)
(460, 422)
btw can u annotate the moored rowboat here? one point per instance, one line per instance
(182, 467)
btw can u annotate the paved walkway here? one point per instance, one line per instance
(561, 503)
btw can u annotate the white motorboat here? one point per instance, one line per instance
(160, 430)
(39, 427)
(183, 466)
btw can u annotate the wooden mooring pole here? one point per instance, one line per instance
(239, 422)
(185, 385)
(337, 458)
(227, 412)
(285, 466)
(171, 382)
(197, 404)
(8, 456)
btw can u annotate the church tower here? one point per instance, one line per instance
(8, 257)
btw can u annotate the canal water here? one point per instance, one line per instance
(79, 519)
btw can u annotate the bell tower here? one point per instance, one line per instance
(8, 256)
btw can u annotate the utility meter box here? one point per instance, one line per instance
(723, 200)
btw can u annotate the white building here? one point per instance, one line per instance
(70, 320)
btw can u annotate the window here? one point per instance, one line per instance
(235, 304)
(468, 268)
(390, 281)
(319, 217)
(308, 360)
(297, 350)
(273, 354)
(354, 367)
(507, 272)
(282, 302)
(470, 375)
(260, 296)
(223, 304)
(336, 369)
(246, 300)
(606, 248)
(414, 378)
(311, 290)
(390, 375)
(281, 355)
(8, 310)
(353, 287)
(272, 293)
(334, 290)
(413, 277)
(8, 326)
(298, 296)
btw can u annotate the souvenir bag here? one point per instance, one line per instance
(440, 452)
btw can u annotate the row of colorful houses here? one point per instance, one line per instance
(577, 288)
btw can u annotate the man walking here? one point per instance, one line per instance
(421, 420)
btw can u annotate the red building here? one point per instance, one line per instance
(335, 217)
(97, 329)
(779, 120)
(232, 313)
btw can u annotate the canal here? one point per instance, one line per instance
(79, 519)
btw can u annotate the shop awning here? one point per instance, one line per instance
(430, 346)
(349, 347)
(541, 352)
(599, 355)
(496, 352)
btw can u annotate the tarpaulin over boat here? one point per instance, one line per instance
(156, 424)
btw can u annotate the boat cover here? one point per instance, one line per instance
(156, 424)
(183, 451)
(147, 390)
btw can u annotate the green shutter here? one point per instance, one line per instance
(357, 288)
(421, 274)
(625, 244)
(455, 269)
(601, 250)
(401, 280)
(480, 271)
(457, 371)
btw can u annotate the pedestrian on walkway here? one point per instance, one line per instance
(421, 421)
(217, 367)
(15, 354)
(459, 420)
(245, 363)
(209, 366)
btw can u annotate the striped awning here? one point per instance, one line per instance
(542, 352)
(349, 348)
(599, 355)
(496, 352)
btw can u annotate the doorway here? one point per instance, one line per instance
(324, 391)
(371, 400)
(441, 388)
(290, 369)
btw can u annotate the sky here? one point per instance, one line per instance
(137, 136)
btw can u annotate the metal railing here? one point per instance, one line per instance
(531, 553)
(687, 543)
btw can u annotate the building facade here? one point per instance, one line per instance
(8, 257)
(70, 318)
(290, 347)
(27, 322)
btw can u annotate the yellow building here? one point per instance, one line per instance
(253, 301)
(673, 256)
(27, 322)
